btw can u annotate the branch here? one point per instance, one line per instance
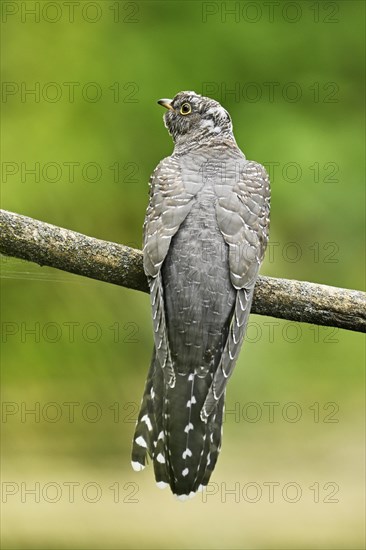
(46, 244)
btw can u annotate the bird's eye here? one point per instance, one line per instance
(185, 109)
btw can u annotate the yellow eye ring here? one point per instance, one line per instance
(185, 109)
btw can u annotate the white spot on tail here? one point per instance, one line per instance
(161, 485)
(137, 466)
(141, 441)
(146, 419)
(186, 453)
(192, 401)
(161, 435)
(188, 427)
(182, 498)
(160, 458)
(185, 472)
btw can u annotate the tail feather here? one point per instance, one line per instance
(183, 447)
(216, 429)
(146, 426)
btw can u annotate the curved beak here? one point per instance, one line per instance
(167, 103)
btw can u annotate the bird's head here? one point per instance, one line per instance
(191, 117)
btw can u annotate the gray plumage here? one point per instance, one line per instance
(205, 234)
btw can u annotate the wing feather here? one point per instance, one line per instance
(242, 213)
(169, 204)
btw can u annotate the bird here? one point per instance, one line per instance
(204, 237)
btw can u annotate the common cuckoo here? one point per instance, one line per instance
(205, 234)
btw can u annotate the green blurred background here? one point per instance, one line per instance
(83, 369)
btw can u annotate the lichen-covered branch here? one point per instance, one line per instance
(46, 244)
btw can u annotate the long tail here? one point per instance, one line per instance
(169, 429)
